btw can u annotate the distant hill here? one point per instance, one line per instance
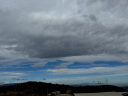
(31, 88)
(9, 84)
(42, 89)
(76, 85)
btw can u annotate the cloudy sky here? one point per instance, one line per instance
(64, 41)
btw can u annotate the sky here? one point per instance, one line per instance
(64, 41)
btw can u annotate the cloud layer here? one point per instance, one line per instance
(82, 75)
(100, 70)
(37, 33)
(73, 29)
(10, 75)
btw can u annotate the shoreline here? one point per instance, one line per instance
(100, 94)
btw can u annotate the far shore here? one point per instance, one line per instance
(100, 94)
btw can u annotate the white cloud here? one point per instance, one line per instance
(100, 70)
(96, 57)
(10, 75)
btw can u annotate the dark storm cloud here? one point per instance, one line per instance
(86, 27)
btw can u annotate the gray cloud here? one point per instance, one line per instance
(41, 64)
(72, 28)
(63, 65)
